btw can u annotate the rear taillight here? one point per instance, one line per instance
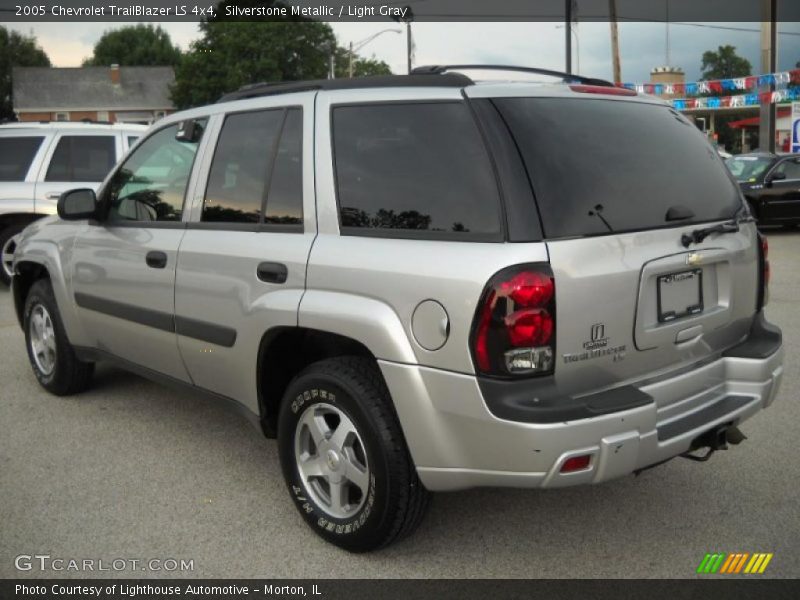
(764, 271)
(514, 330)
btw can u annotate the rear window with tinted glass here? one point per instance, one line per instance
(414, 170)
(82, 158)
(602, 165)
(16, 156)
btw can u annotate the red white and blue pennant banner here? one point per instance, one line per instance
(785, 95)
(717, 85)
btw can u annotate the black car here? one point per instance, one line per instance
(771, 184)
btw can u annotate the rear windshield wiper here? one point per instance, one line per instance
(732, 226)
(598, 212)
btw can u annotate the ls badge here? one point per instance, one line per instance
(596, 346)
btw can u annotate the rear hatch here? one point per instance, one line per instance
(617, 183)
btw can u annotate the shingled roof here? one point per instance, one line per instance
(91, 88)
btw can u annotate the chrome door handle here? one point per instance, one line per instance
(53, 195)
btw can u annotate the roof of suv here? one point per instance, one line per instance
(427, 76)
(71, 125)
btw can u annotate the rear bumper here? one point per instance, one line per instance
(457, 442)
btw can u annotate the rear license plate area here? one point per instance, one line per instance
(679, 294)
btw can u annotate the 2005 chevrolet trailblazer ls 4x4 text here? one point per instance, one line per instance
(420, 283)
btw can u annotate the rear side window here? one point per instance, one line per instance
(16, 156)
(256, 165)
(285, 197)
(82, 158)
(601, 165)
(420, 170)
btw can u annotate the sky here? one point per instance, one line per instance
(642, 45)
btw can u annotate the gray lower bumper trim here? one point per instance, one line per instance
(708, 414)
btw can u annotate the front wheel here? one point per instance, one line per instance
(344, 457)
(52, 357)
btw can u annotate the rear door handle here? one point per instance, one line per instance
(156, 259)
(272, 272)
(52, 195)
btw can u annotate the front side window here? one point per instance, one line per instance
(790, 168)
(151, 184)
(415, 168)
(256, 176)
(16, 156)
(82, 158)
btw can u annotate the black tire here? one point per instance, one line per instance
(396, 501)
(68, 374)
(8, 232)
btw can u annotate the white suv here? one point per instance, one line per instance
(38, 161)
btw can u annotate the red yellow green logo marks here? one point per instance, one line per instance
(735, 563)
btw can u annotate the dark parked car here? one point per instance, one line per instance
(771, 184)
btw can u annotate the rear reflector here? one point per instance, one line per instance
(602, 89)
(576, 463)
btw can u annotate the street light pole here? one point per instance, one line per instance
(353, 48)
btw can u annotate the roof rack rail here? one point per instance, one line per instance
(255, 90)
(565, 77)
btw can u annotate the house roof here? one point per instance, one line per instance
(90, 88)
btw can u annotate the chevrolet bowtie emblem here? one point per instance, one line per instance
(693, 259)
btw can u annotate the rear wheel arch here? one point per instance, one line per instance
(283, 353)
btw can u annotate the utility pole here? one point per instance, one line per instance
(350, 62)
(766, 127)
(612, 19)
(409, 16)
(568, 34)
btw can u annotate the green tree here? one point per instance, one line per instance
(135, 45)
(724, 64)
(231, 54)
(362, 67)
(16, 50)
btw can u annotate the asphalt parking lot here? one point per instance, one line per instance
(137, 471)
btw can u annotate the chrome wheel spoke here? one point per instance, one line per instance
(312, 466)
(358, 476)
(344, 434)
(317, 427)
(338, 497)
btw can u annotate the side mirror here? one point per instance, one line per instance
(75, 205)
(189, 131)
(777, 176)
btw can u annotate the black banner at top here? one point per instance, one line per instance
(402, 10)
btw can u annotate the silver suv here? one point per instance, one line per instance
(38, 161)
(420, 283)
